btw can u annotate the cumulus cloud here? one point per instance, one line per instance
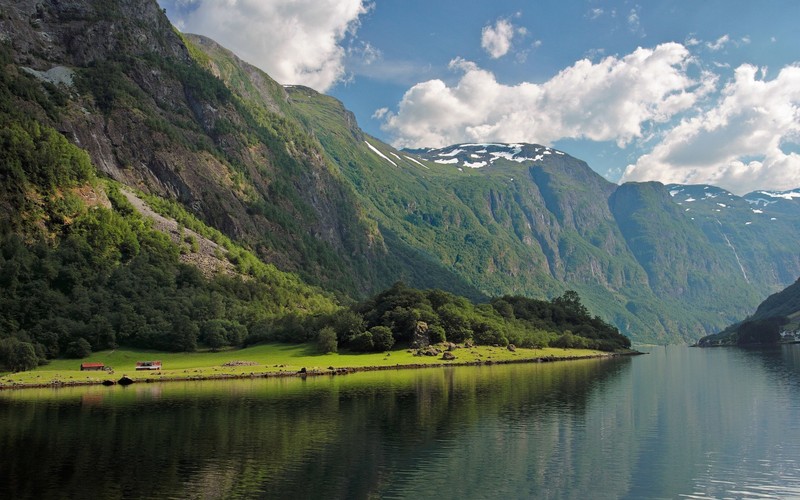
(496, 40)
(294, 41)
(612, 99)
(740, 144)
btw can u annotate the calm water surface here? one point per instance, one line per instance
(676, 423)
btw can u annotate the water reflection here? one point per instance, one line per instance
(677, 422)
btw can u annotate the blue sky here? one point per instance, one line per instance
(675, 91)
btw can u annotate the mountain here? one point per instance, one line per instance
(286, 174)
(779, 313)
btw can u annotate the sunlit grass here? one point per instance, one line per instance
(268, 358)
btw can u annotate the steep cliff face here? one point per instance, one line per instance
(147, 106)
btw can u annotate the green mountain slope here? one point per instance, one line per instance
(286, 173)
(152, 115)
(81, 268)
(536, 221)
(779, 313)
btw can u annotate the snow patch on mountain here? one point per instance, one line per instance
(786, 195)
(478, 155)
(416, 161)
(375, 150)
(477, 164)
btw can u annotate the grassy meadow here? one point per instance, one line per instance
(262, 359)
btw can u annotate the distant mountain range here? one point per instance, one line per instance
(287, 173)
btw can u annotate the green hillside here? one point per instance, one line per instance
(779, 313)
(286, 177)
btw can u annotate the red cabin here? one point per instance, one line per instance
(92, 366)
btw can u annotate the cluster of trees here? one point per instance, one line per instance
(108, 284)
(760, 331)
(400, 313)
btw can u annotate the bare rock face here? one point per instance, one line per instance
(81, 32)
(422, 338)
(218, 142)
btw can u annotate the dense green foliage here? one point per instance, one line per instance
(406, 315)
(111, 280)
(764, 331)
(567, 316)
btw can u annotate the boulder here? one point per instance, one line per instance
(448, 356)
(125, 380)
(422, 338)
(512, 348)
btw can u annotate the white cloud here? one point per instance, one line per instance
(719, 44)
(365, 52)
(634, 22)
(594, 13)
(380, 113)
(609, 100)
(738, 144)
(294, 41)
(496, 40)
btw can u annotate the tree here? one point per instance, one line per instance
(215, 339)
(24, 357)
(436, 334)
(79, 348)
(382, 338)
(348, 324)
(362, 342)
(326, 340)
(17, 356)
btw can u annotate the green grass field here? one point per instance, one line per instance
(268, 358)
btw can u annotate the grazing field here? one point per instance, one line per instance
(273, 359)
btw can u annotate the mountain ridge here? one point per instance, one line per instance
(287, 172)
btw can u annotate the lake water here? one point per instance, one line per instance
(676, 423)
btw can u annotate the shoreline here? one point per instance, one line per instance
(303, 372)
